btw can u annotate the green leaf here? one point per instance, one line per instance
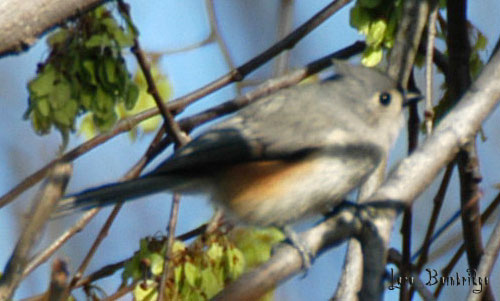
(215, 253)
(148, 294)
(64, 117)
(130, 25)
(131, 96)
(124, 39)
(390, 32)
(88, 71)
(209, 283)
(360, 19)
(235, 262)
(58, 37)
(256, 245)
(376, 33)
(43, 106)
(191, 273)
(105, 122)
(110, 25)
(156, 263)
(42, 85)
(372, 56)
(108, 78)
(110, 68)
(99, 40)
(369, 3)
(40, 123)
(481, 42)
(88, 129)
(177, 275)
(84, 73)
(60, 95)
(104, 102)
(86, 99)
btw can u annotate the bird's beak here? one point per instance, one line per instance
(412, 97)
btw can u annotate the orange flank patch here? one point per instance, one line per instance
(244, 185)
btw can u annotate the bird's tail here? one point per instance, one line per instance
(114, 193)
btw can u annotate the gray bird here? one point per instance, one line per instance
(292, 154)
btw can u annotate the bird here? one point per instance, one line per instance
(290, 155)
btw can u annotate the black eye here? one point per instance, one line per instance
(385, 98)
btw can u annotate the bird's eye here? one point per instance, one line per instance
(385, 98)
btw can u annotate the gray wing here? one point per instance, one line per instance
(284, 125)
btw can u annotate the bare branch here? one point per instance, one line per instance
(58, 279)
(167, 267)
(458, 254)
(22, 22)
(429, 57)
(171, 127)
(43, 204)
(487, 262)
(285, 23)
(407, 40)
(58, 243)
(437, 205)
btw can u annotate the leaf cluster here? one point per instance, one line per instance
(201, 269)
(378, 21)
(85, 72)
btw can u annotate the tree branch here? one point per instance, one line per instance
(23, 22)
(43, 205)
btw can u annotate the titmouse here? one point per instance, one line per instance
(292, 154)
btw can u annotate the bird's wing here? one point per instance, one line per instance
(279, 127)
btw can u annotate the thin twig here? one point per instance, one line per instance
(122, 126)
(100, 237)
(192, 233)
(209, 39)
(125, 290)
(459, 80)
(58, 279)
(458, 254)
(213, 36)
(216, 34)
(405, 263)
(413, 131)
(429, 56)
(59, 242)
(103, 272)
(285, 22)
(487, 262)
(167, 262)
(438, 203)
(133, 173)
(171, 127)
(287, 43)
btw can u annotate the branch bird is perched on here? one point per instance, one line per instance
(289, 155)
